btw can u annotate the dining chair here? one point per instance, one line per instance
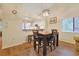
(51, 41)
(37, 39)
(56, 36)
(30, 38)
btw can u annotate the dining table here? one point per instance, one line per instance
(45, 34)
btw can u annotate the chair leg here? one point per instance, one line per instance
(51, 46)
(54, 43)
(34, 44)
(48, 43)
(39, 45)
(38, 48)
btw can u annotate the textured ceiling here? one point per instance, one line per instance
(34, 10)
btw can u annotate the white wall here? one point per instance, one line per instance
(12, 34)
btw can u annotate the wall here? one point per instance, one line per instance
(12, 34)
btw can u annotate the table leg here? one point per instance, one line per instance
(34, 44)
(44, 47)
(57, 41)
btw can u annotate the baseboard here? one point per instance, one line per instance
(66, 42)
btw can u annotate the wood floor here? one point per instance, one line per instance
(26, 49)
(64, 49)
(0, 42)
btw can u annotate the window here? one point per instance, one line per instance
(76, 24)
(26, 26)
(70, 24)
(1, 26)
(67, 25)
